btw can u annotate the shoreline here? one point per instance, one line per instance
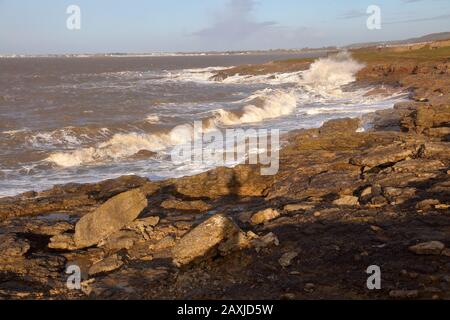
(342, 201)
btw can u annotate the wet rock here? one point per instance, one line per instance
(287, 258)
(404, 294)
(109, 218)
(264, 216)
(108, 264)
(197, 205)
(349, 201)
(428, 248)
(203, 239)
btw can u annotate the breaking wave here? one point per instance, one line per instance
(322, 82)
(263, 105)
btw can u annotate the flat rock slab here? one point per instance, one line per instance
(428, 248)
(113, 215)
(204, 238)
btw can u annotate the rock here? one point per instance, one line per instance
(286, 259)
(309, 287)
(347, 201)
(298, 207)
(428, 204)
(12, 247)
(197, 205)
(62, 242)
(398, 196)
(204, 239)
(404, 294)
(144, 226)
(383, 155)
(428, 248)
(426, 117)
(108, 264)
(446, 252)
(340, 126)
(52, 229)
(264, 216)
(435, 150)
(123, 239)
(265, 241)
(109, 218)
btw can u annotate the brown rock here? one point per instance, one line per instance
(204, 239)
(264, 216)
(298, 207)
(109, 218)
(428, 248)
(404, 294)
(108, 264)
(197, 205)
(286, 259)
(347, 201)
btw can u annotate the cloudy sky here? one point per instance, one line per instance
(38, 27)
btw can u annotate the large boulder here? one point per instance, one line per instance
(204, 239)
(113, 215)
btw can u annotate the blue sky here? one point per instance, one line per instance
(38, 27)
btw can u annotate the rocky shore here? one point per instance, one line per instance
(342, 201)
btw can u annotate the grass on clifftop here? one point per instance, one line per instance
(420, 55)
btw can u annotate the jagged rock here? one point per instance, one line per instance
(108, 264)
(428, 248)
(12, 247)
(264, 216)
(203, 239)
(115, 214)
(197, 205)
(350, 201)
(286, 259)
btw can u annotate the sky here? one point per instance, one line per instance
(138, 26)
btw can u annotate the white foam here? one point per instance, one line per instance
(332, 72)
(274, 103)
